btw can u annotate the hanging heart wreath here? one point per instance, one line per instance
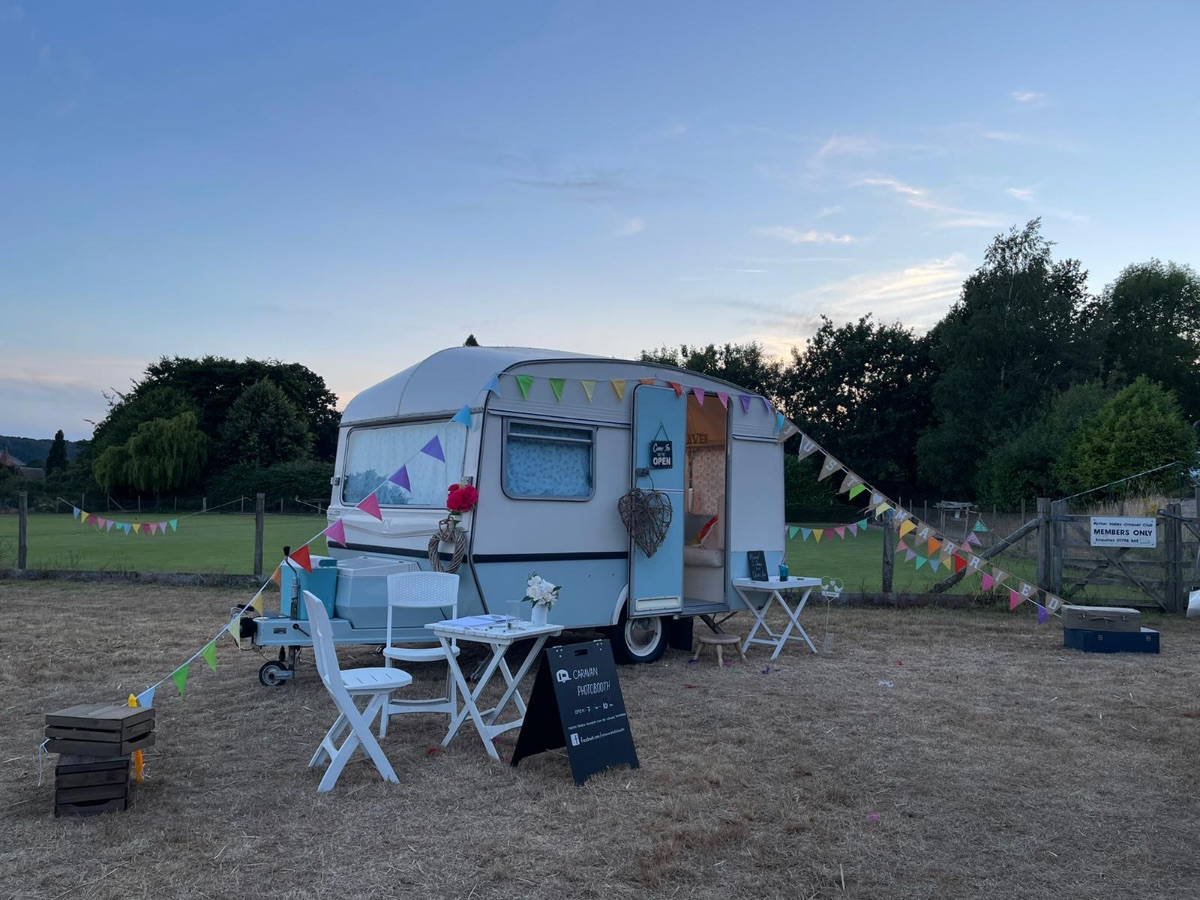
(646, 515)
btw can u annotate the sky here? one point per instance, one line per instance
(355, 186)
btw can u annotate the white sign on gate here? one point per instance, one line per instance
(1124, 532)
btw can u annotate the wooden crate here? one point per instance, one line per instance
(87, 786)
(100, 730)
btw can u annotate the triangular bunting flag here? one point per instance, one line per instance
(434, 447)
(336, 533)
(906, 527)
(724, 398)
(900, 515)
(745, 403)
(463, 417)
(959, 563)
(370, 505)
(108, 526)
(780, 421)
(856, 490)
(853, 529)
(909, 556)
(1027, 590)
(75, 511)
(647, 380)
(974, 563)
(828, 467)
(1053, 603)
(923, 533)
(881, 509)
(618, 386)
(179, 676)
(277, 576)
(400, 479)
(524, 382)
(979, 526)
(971, 539)
(153, 527)
(999, 574)
(817, 533)
(303, 559)
(986, 581)
(793, 530)
(174, 523)
(589, 388)
(698, 393)
(862, 523)
(805, 532)
(210, 655)
(257, 603)
(848, 482)
(1043, 615)
(676, 387)
(933, 545)
(162, 527)
(126, 526)
(807, 447)
(91, 520)
(137, 528)
(948, 548)
(841, 532)
(920, 562)
(933, 563)
(556, 385)
(493, 385)
(1014, 600)
(146, 697)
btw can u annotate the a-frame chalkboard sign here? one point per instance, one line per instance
(576, 703)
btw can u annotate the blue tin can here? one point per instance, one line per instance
(783, 572)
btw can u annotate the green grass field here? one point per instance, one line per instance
(223, 543)
(210, 543)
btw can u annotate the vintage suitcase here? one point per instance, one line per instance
(1102, 618)
(1089, 641)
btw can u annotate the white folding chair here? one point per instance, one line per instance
(436, 595)
(376, 683)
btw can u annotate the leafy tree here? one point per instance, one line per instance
(470, 341)
(56, 459)
(1025, 462)
(862, 391)
(1140, 428)
(745, 365)
(264, 427)
(1014, 337)
(163, 455)
(1148, 323)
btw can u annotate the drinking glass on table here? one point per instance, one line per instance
(513, 609)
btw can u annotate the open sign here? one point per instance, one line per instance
(660, 455)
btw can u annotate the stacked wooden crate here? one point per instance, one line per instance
(94, 743)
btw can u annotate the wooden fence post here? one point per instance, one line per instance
(23, 530)
(260, 505)
(1174, 546)
(889, 552)
(1045, 543)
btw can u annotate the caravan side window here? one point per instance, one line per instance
(375, 453)
(548, 461)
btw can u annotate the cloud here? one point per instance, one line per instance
(850, 145)
(630, 227)
(1023, 194)
(920, 198)
(918, 296)
(795, 236)
(1032, 99)
(892, 184)
(828, 211)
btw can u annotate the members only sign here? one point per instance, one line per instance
(1124, 532)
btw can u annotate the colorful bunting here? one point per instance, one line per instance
(909, 555)
(805, 532)
(906, 527)
(853, 528)
(856, 490)
(841, 531)
(698, 393)
(524, 382)
(434, 448)
(1014, 600)
(848, 482)
(986, 580)
(618, 386)
(647, 380)
(979, 526)
(1054, 603)
(336, 533)
(933, 544)
(1043, 615)
(793, 530)
(493, 386)
(210, 655)
(959, 563)
(75, 511)
(277, 576)
(557, 385)
(400, 478)
(463, 417)
(1027, 590)
(933, 563)
(920, 562)
(807, 445)
(745, 403)
(676, 387)
(303, 559)
(828, 467)
(817, 533)
(179, 676)
(724, 398)
(589, 388)
(146, 697)
(370, 505)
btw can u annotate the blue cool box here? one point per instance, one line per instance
(1144, 641)
(322, 583)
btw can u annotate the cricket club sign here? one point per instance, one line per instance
(1124, 532)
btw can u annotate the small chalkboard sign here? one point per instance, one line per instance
(576, 703)
(661, 456)
(758, 565)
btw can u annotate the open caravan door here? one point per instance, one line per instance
(756, 514)
(655, 579)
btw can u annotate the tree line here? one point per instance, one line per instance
(1028, 386)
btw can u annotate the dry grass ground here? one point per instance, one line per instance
(992, 763)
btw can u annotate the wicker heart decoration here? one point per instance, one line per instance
(646, 515)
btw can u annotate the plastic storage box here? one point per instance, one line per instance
(321, 583)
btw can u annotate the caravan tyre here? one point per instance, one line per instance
(639, 640)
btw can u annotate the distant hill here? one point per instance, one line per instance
(32, 449)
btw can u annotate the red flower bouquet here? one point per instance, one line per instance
(461, 498)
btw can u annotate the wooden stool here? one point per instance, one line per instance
(719, 641)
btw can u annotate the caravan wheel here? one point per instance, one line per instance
(640, 640)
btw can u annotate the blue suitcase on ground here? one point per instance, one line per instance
(1142, 641)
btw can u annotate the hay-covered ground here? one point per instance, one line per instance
(940, 754)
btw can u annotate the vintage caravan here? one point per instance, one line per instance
(567, 451)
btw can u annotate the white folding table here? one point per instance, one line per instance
(499, 634)
(775, 591)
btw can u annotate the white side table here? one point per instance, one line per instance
(775, 591)
(499, 636)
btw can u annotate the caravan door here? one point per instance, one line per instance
(659, 447)
(755, 500)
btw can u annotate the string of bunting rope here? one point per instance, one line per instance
(939, 551)
(840, 530)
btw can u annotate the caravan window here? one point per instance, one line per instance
(548, 461)
(375, 454)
